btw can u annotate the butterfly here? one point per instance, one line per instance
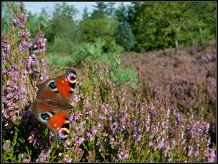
(52, 102)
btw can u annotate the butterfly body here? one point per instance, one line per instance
(53, 101)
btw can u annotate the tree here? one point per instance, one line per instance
(99, 11)
(124, 34)
(110, 9)
(85, 14)
(101, 28)
(161, 25)
(120, 12)
(125, 37)
(63, 24)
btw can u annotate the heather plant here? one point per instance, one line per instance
(22, 71)
(186, 80)
(132, 129)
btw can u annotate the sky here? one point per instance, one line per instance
(35, 7)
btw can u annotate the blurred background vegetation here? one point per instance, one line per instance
(139, 26)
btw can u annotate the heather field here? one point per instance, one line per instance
(156, 106)
(184, 78)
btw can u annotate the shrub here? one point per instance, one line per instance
(23, 71)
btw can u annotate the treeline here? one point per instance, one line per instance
(139, 26)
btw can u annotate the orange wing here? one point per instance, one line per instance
(60, 125)
(64, 87)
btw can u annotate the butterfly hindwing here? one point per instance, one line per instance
(60, 124)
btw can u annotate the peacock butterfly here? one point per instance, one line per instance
(53, 101)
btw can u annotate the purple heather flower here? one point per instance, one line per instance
(148, 122)
(26, 160)
(121, 127)
(69, 160)
(113, 126)
(161, 143)
(39, 44)
(94, 131)
(105, 108)
(101, 117)
(89, 113)
(75, 99)
(6, 47)
(135, 123)
(18, 22)
(110, 118)
(22, 33)
(138, 137)
(212, 156)
(78, 140)
(75, 117)
(33, 64)
(168, 112)
(25, 45)
(167, 149)
(43, 155)
(89, 135)
(190, 151)
(122, 155)
(112, 141)
(6, 145)
(196, 151)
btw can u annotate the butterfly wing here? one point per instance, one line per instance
(60, 125)
(52, 101)
(66, 85)
(53, 96)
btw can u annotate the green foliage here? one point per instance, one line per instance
(110, 10)
(62, 23)
(99, 11)
(62, 45)
(93, 51)
(85, 14)
(64, 55)
(55, 59)
(104, 28)
(6, 14)
(162, 25)
(125, 37)
(125, 76)
(120, 74)
(140, 26)
(36, 22)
